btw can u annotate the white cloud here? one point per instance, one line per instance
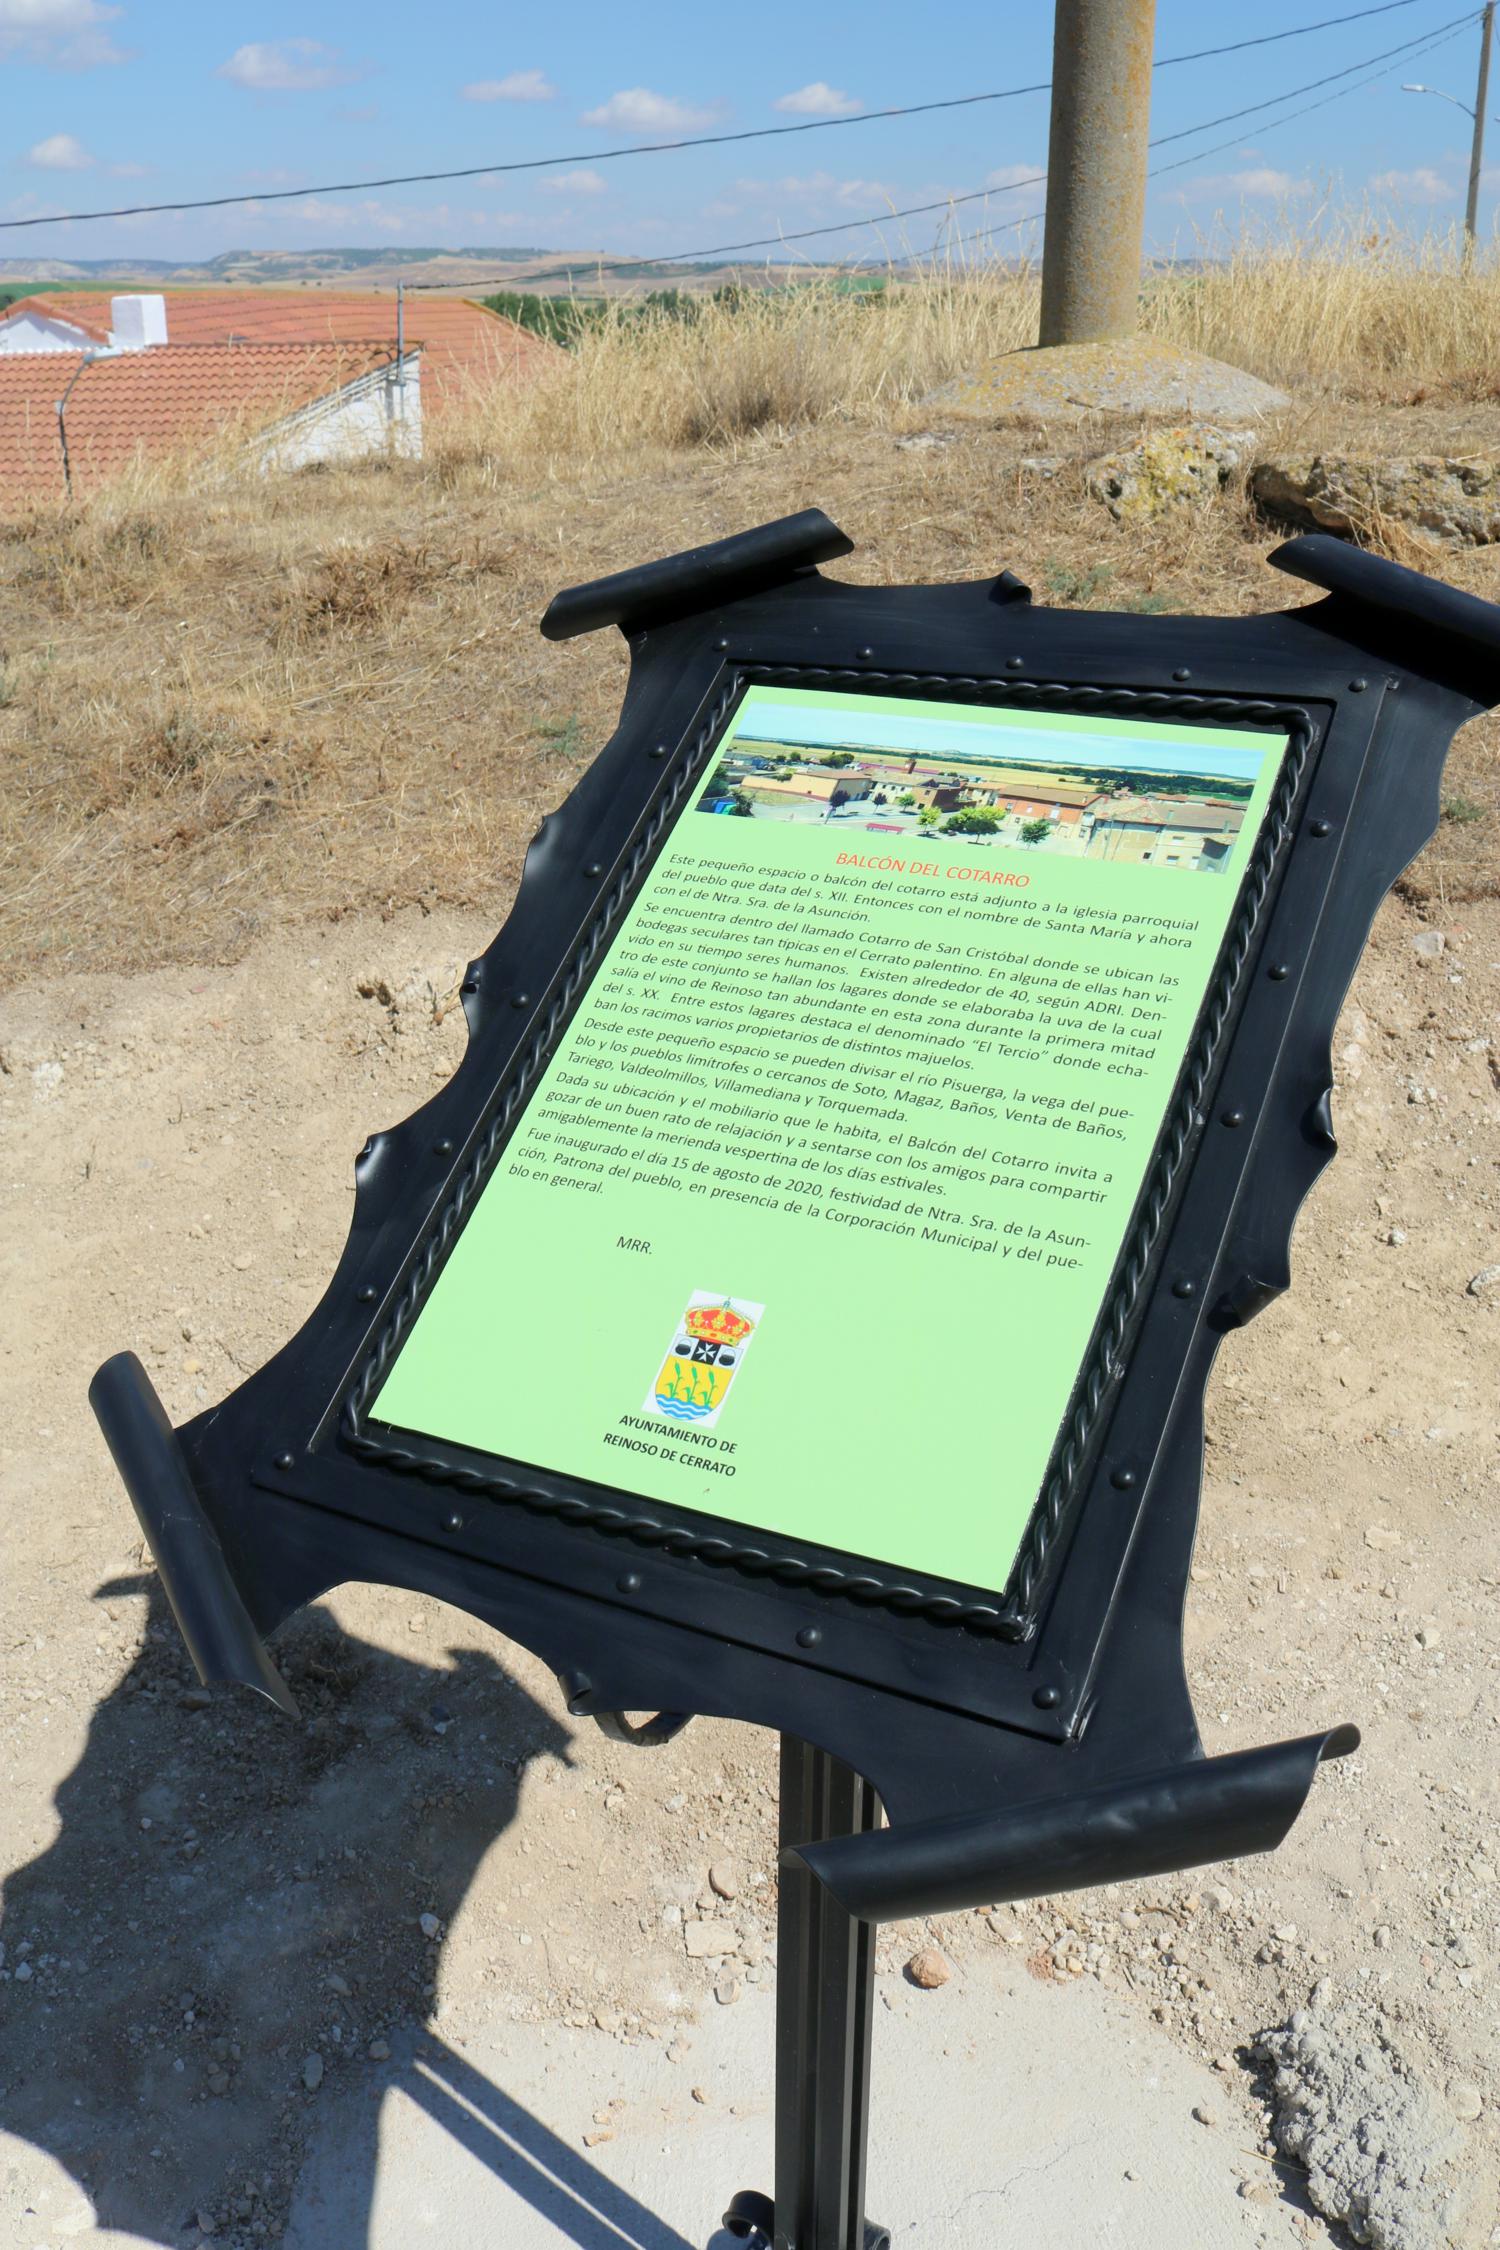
(576, 183)
(1261, 183)
(815, 192)
(288, 66)
(60, 152)
(343, 218)
(1265, 180)
(1422, 186)
(638, 110)
(520, 86)
(1015, 175)
(69, 34)
(819, 100)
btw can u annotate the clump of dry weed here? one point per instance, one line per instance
(354, 587)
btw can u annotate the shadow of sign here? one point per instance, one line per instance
(228, 1896)
(569, 2197)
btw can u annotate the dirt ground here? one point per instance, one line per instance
(214, 1916)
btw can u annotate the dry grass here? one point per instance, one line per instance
(226, 699)
(1350, 309)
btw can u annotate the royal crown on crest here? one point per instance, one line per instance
(716, 1324)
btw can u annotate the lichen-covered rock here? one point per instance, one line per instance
(1376, 2143)
(1170, 469)
(1457, 501)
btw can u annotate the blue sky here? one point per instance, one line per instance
(115, 101)
(776, 716)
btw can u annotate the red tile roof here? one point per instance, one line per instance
(462, 344)
(150, 402)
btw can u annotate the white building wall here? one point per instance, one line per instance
(136, 323)
(379, 413)
(30, 332)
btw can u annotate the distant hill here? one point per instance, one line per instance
(474, 269)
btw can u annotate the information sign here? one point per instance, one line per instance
(900, 1070)
(819, 1201)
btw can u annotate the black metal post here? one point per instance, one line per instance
(825, 1990)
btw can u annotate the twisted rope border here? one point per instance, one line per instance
(1013, 1617)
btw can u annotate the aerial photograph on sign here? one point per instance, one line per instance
(887, 773)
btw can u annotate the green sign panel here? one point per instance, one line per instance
(812, 1215)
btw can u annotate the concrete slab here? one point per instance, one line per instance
(1138, 375)
(1004, 2109)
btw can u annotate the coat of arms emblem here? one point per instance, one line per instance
(708, 1345)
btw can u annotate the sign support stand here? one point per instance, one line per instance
(825, 1995)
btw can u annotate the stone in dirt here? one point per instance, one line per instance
(1134, 375)
(1377, 2145)
(928, 1969)
(705, 1941)
(1488, 1277)
(1458, 501)
(1167, 470)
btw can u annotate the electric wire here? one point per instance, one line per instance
(659, 148)
(1408, 51)
(1197, 155)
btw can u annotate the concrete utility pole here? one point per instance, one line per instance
(1096, 168)
(1477, 114)
(1481, 102)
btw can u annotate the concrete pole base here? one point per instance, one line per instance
(1137, 375)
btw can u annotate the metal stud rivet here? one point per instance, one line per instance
(721, 644)
(1319, 827)
(367, 1294)
(593, 868)
(1182, 673)
(1014, 663)
(1182, 1287)
(1047, 1698)
(521, 1000)
(809, 1636)
(286, 1461)
(1123, 1480)
(630, 1583)
(1233, 1117)
(864, 652)
(1357, 687)
(443, 1148)
(453, 1521)
(1278, 972)
(658, 750)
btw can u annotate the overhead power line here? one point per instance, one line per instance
(1393, 57)
(660, 148)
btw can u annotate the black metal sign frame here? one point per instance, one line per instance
(1021, 1741)
(920, 1598)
